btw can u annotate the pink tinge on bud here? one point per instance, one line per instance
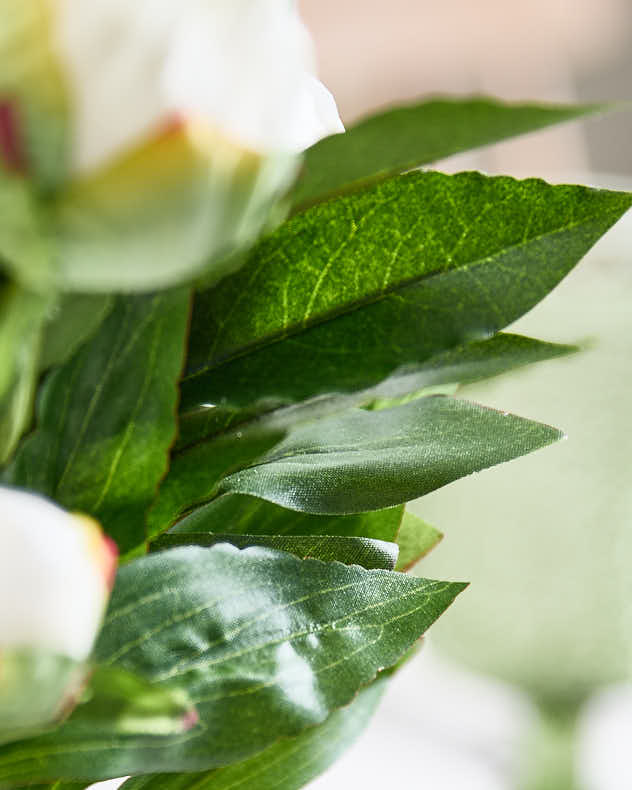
(110, 561)
(10, 145)
(174, 124)
(190, 719)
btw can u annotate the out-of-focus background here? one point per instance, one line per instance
(547, 540)
(377, 52)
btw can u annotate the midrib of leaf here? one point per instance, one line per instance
(467, 267)
(131, 426)
(392, 597)
(183, 617)
(181, 669)
(116, 355)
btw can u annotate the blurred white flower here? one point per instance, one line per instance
(56, 572)
(245, 68)
(162, 133)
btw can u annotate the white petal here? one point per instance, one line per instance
(52, 585)
(113, 52)
(316, 116)
(246, 67)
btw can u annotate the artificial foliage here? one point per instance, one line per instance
(250, 444)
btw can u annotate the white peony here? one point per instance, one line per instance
(56, 572)
(162, 134)
(245, 68)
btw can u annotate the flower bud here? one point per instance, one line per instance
(183, 126)
(56, 573)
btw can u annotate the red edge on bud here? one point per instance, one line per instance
(111, 560)
(10, 146)
(190, 719)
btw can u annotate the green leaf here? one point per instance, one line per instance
(119, 702)
(369, 554)
(106, 418)
(248, 515)
(354, 356)
(266, 645)
(194, 475)
(288, 764)
(467, 254)
(59, 785)
(415, 539)
(407, 137)
(75, 319)
(22, 316)
(363, 460)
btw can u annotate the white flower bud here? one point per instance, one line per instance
(163, 133)
(245, 68)
(56, 572)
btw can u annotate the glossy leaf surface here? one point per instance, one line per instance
(262, 642)
(362, 460)
(106, 419)
(288, 764)
(354, 356)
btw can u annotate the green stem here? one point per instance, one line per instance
(550, 754)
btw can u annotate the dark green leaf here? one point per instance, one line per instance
(248, 515)
(369, 554)
(194, 475)
(415, 539)
(365, 460)
(407, 137)
(468, 253)
(288, 764)
(106, 418)
(265, 644)
(386, 359)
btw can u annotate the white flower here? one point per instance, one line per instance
(162, 133)
(244, 67)
(56, 572)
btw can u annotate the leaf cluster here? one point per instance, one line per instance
(251, 445)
